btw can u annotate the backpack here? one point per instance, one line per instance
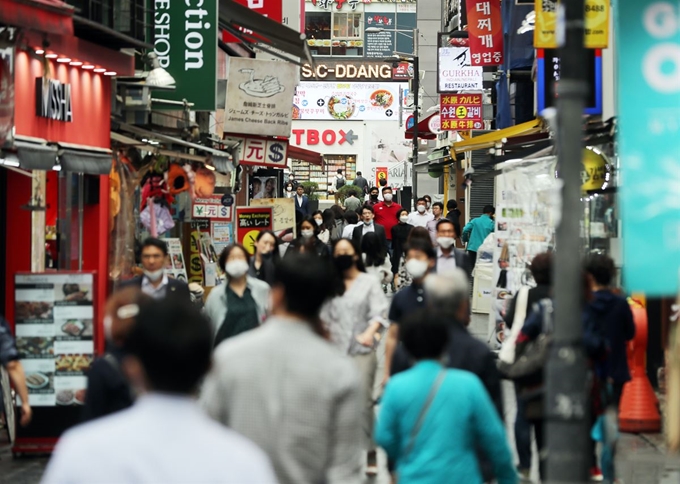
(339, 182)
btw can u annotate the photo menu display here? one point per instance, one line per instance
(54, 318)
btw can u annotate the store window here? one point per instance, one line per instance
(324, 176)
(335, 33)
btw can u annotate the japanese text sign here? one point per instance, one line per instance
(461, 111)
(250, 221)
(486, 32)
(596, 18)
(211, 208)
(263, 152)
(456, 72)
(260, 97)
(649, 144)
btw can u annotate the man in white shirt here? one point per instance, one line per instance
(352, 220)
(165, 437)
(448, 257)
(420, 217)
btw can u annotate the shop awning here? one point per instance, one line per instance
(35, 154)
(49, 16)
(255, 29)
(297, 153)
(85, 159)
(489, 140)
(423, 129)
(439, 157)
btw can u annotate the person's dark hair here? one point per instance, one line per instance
(352, 217)
(451, 205)
(173, 341)
(307, 283)
(367, 207)
(154, 242)
(488, 209)
(372, 189)
(438, 204)
(427, 198)
(400, 212)
(338, 280)
(338, 213)
(421, 246)
(340, 170)
(323, 221)
(541, 268)
(420, 234)
(601, 267)
(275, 252)
(421, 199)
(424, 337)
(310, 219)
(358, 173)
(383, 182)
(328, 218)
(300, 185)
(445, 221)
(222, 262)
(373, 249)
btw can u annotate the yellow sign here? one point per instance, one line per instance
(596, 15)
(594, 174)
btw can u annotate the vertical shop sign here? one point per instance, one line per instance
(380, 44)
(649, 143)
(250, 221)
(211, 208)
(174, 265)
(455, 71)
(596, 29)
(6, 96)
(381, 173)
(185, 41)
(461, 111)
(486, 32)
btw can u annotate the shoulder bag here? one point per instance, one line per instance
(507, 352)
(423, 412)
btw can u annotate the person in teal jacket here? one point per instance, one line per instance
(476, 230)
(460, 419)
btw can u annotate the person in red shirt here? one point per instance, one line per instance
(386, 214)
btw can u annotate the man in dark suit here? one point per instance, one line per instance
(301, 201)
(448, 257)
(155, 282)
(361, 183)
(367, 216)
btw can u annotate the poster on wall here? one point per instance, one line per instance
(283, 212)
(175, 265)
(389, 153)
(456, 72)
(355, 101)
(266, 186)
(250, 221)
(54, 316)
(222, 235)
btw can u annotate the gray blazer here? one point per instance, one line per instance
(295, 396)
(216, 305)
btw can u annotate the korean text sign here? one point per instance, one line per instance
(250, 221)
(486, 32)
(456, 72)
(260, 97)
(461, 111)
(596, 18)
(648, 69)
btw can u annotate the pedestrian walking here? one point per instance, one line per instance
(286, 388)
(453, 214)
(9, 358)
(351, 222)
(374, 256)
(352, 201)
(437, 214)
(355, 318)
(386, 214)
(448, 257)
(373, 197)
(324, 232)
(292, 180)
(301, 201)
(266, 255)
(420, 217)
(241, 304)
(362, 185)
(164, 437)
(476, 230)
(337, 221)
(155, 282)
(432, 420)
(428, 204)
(369, 225)
(108, 389)
(340, 182)
(307, 240)
(400, 234)
(289, 191)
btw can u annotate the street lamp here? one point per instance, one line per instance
(415, 88)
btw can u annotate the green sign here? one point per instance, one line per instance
(185, 41)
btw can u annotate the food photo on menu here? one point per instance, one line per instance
(74, 328)
(35, 347)
(34, 310)
(73, 293)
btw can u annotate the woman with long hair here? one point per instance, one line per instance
(338, 222)
(324, 234)
(374, 256)
(400, 234)
(241, 304)
(355, 317)
(266, 255)
(307, 240)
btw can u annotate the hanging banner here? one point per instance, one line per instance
(262, 151)
(250, 221)
(6, 96)
(456, 72)
(461, 111)
(596, 18)
(485, 27)
(649, 145)
(185, 41)
(174, 265)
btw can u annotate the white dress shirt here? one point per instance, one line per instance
(161, 439)
(367, 228)
(446, 263)
(349, 230)
(419, 220)
(158, 292)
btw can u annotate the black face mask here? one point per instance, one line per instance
(374, 197)
(343, 262)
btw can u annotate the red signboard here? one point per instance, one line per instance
(272, 9)
(461, 111)
(250, 221)
(485, 29)
(380, 174)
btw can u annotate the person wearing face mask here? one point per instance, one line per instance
(448, 257)
(428, 203)
(373, 197)
(290, 190)
(437, 213)
(108, 390)
(307, 241)
(400, 234)
(266, 255)
(241, 304)
(420, 217)
(386, 214)
(355, 318)
(155, 282)
(323, 234)
(369, 225)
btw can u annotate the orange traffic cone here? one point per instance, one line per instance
(638, 410)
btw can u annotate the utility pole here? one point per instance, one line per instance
(415, 85)
(567, 386)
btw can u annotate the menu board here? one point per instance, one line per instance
(54, 318)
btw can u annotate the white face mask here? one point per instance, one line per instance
(368, 222)
(421, 208)
(289, 189)
(445, 242)
(318, 222)
(307, 234)
(154, 276)
(387, 197)
(236, 268)
(417, 268)
(403, 218)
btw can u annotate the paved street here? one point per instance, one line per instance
(640, 458)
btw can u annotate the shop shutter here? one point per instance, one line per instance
(482, 191)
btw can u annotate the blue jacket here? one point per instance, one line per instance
(461, 418)
(302, 207)
(476, 230)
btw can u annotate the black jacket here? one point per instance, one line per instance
(175, 288)
(400, 233)
(361, 183)
(358, 234)
(320, 249)
(454, 216)
(108, 390)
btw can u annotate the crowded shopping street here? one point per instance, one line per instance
(339, 242)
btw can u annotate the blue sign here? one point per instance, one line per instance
(410, 122)
(648, 40)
